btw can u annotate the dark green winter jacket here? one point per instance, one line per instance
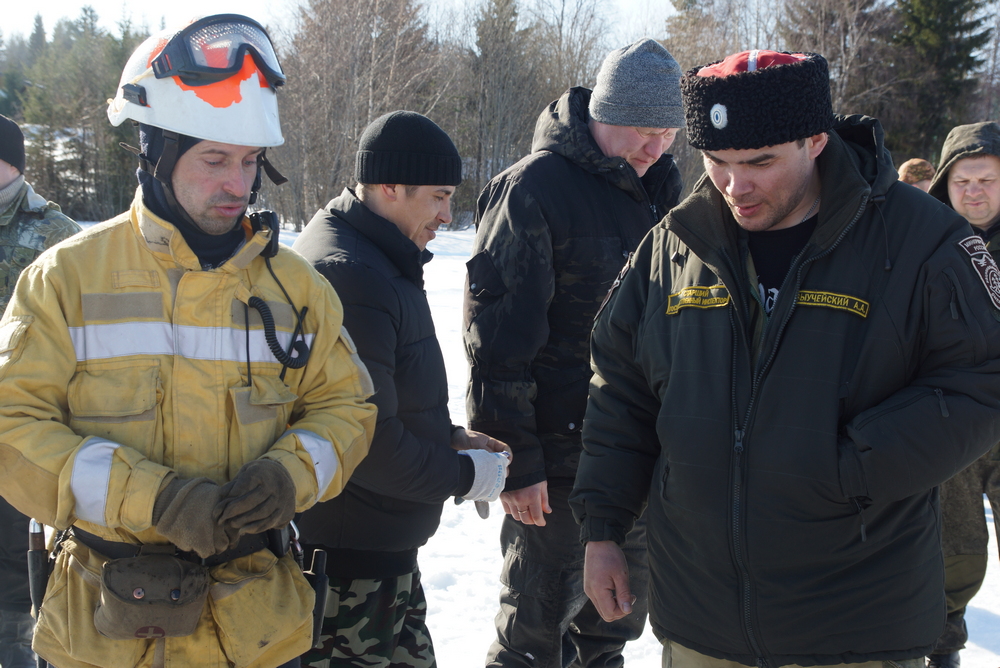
(964, 141)
(969, 141)
(793, 509)
(553, 231)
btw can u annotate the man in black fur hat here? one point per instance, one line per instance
(798, 355)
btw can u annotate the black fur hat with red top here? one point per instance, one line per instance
(755, 99)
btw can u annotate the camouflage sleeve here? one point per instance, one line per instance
(509, 287)
(24, 238)
(57, 226)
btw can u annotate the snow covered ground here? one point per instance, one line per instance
(461, 563)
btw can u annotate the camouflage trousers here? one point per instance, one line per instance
(965, 541)
(374, 624)
(678, 656)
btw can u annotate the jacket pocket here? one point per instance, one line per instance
(11, 337)
(959, 310)
(261, 413)
(280, 595)
(119, 401)
(65, 626)
(485, 285)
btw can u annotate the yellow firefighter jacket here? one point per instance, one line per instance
(122, 363)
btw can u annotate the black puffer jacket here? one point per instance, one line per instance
(793, 510)
(553, 232)
(392, 504)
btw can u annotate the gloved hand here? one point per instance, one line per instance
(183, 514)
(491, 473)
(260, 497)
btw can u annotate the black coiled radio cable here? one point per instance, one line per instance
(298, 345)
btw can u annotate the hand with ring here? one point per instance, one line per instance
(528, 505)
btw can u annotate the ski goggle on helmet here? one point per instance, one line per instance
(214, 79)
(214, 48)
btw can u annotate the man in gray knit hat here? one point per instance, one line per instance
(553, 231)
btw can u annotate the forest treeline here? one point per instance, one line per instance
(920, 66)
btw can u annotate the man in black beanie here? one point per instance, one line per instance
(28, 225)
(797, 356)
(370, 243)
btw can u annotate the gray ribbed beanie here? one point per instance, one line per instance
(639, 85)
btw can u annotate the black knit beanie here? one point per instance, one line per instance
(11, 143)
(755, 99)
(407, 148)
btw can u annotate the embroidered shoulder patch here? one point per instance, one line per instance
(698, 296)
(833, 300)
(984, 265)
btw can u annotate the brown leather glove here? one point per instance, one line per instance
(260, 497)
(183, 514)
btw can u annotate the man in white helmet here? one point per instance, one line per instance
(176, 385)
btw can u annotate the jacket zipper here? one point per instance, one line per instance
(737, 483)
(741, 434)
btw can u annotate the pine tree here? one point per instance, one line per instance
(942, 39)
(36, 43)
(72, 153)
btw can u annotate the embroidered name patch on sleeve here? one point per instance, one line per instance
(984, 265)
(698, 296)
(833, 300)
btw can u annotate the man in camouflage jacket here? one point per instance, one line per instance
(968, 180)
(28, 225)
(553, 232)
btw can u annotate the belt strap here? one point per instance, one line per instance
(249, 543)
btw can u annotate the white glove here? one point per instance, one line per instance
(491, 473)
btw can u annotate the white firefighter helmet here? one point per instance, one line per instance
(215, 79)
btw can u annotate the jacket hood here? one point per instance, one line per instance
(962, 142)
(562, 129)
(864, 140)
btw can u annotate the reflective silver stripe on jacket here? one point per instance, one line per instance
(324, 457)
(95, 342)
(91, 477)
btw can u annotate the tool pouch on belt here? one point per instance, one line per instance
(150, 596)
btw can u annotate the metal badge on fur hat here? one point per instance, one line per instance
(757, 98)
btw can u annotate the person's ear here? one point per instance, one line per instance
(816, 144)
(390, 191)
